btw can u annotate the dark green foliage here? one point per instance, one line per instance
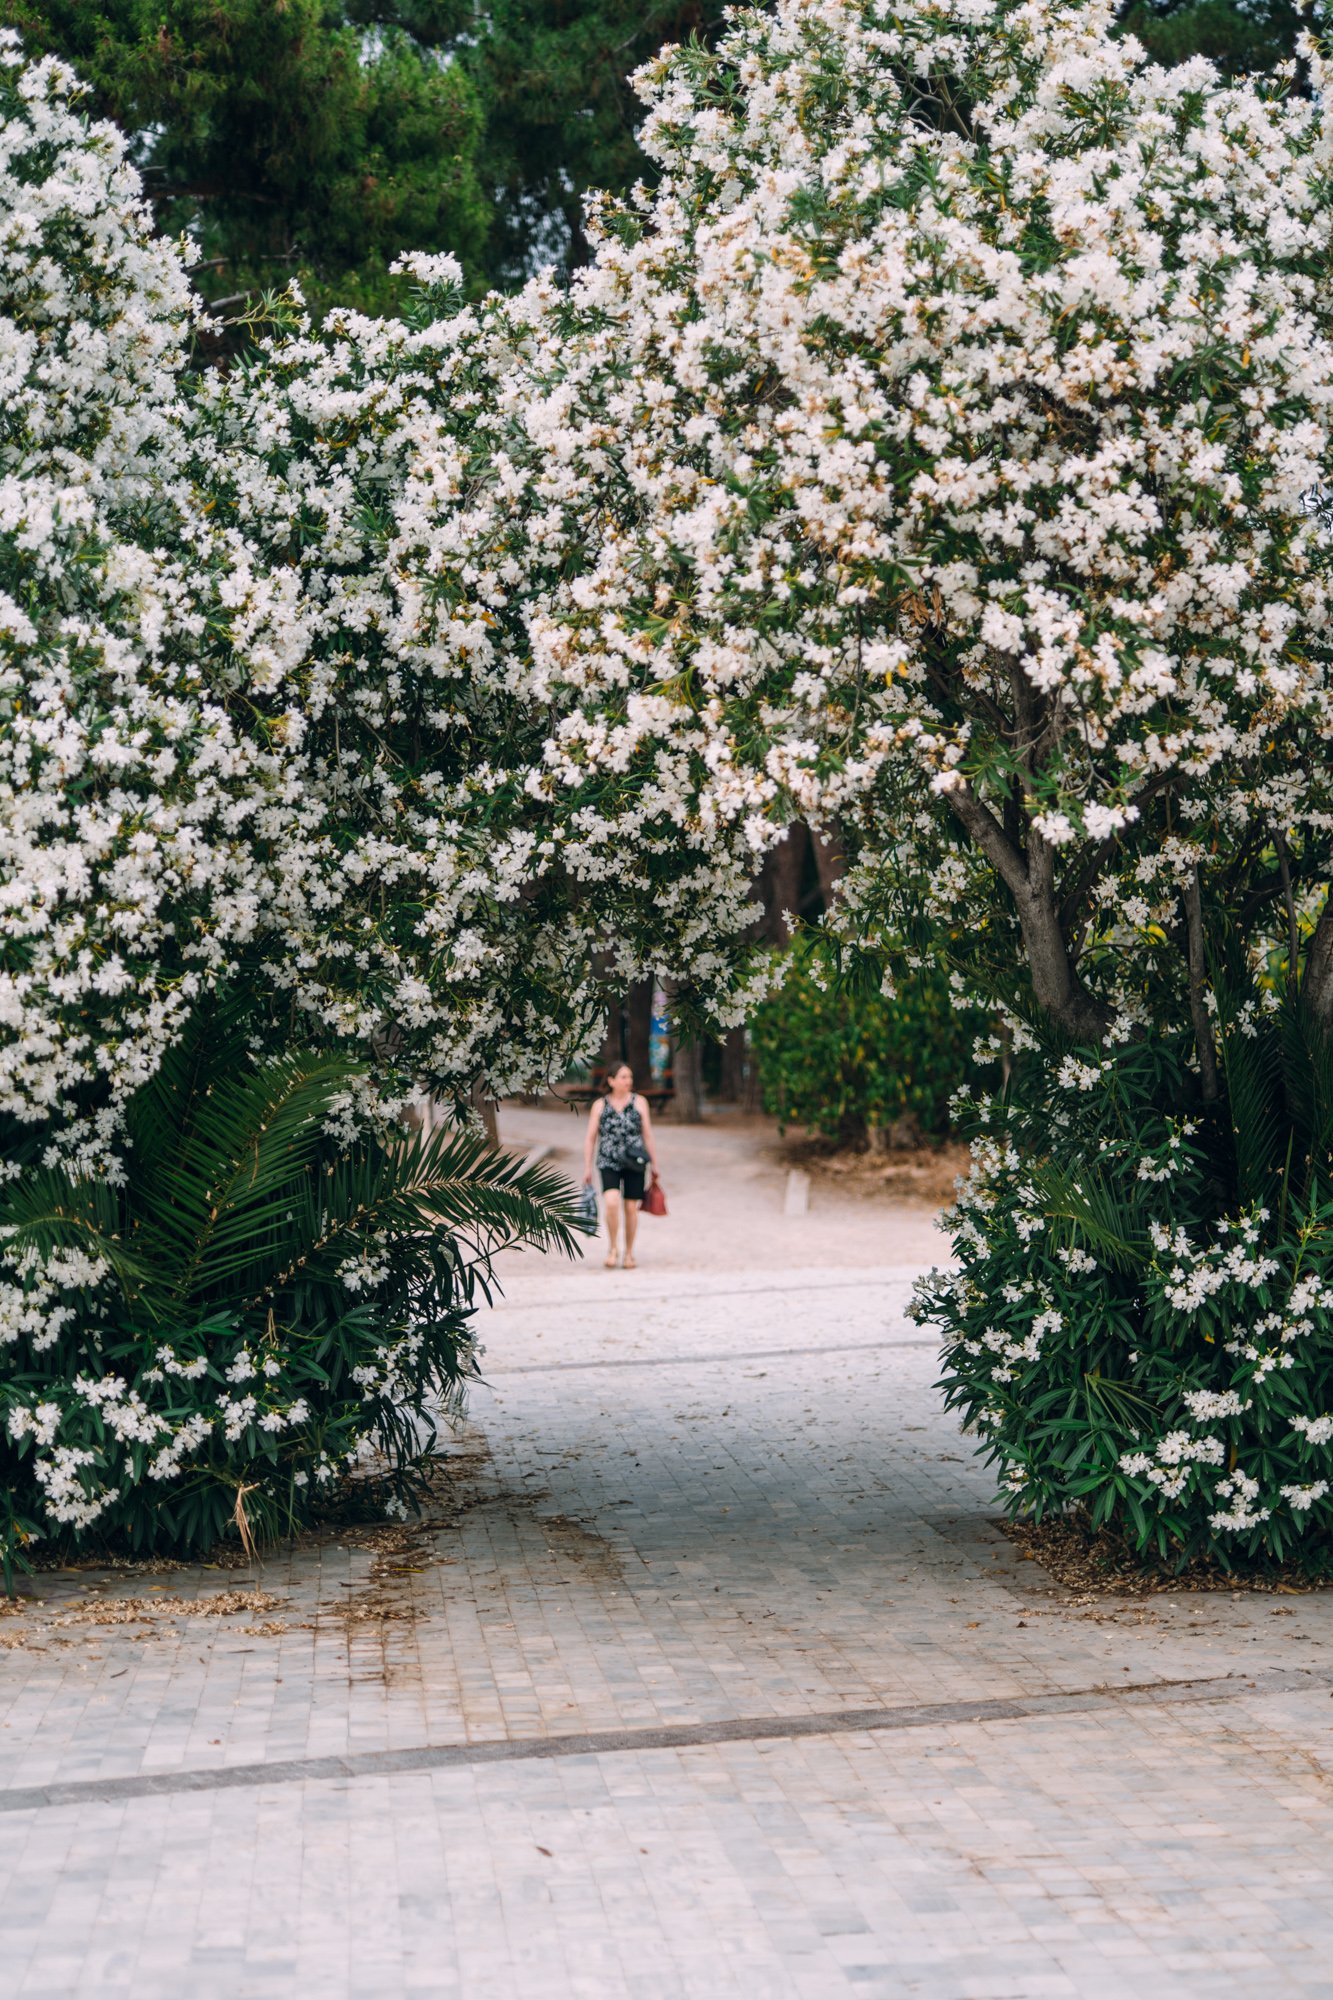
(838, 1056)
(287, 139)
(1239, 38)
(333, 1277)
(319, 139)
(560, 115)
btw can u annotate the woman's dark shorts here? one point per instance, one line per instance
(624, 1180)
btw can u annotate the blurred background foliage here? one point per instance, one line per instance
(844, 1059)
(1254, 35)
(317, 139)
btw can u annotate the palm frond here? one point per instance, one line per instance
(1101, 1220)
(1306, 1061)
(46, 1211)
(450, 1190)
(1249, 1054)
(486, 1196)
(1118, 1403)
(1255, 1104)
(250, 1139)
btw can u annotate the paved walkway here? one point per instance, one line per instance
(716, 1681)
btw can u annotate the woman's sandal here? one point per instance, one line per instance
(612, 1260)
(631, 1263)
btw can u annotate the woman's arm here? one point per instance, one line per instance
(590, 1139)
(646, 1120)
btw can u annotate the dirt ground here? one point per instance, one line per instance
(926, 1175)
(727, 1184)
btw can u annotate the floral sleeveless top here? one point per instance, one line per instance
(619, 1136)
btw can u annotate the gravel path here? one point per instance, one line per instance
(716, 1679)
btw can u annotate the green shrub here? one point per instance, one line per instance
(843, 1058)
(269, 1298)
(1140, 1323)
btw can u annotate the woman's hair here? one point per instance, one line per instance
(614, 1072)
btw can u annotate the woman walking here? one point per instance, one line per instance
(621, 1132)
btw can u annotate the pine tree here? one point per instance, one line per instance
(1252, 35)
(288, 139)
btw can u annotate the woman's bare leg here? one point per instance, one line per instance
(631, 1231)
(612, 1200)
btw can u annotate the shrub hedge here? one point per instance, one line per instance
(847, 1059)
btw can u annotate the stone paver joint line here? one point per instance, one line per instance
(682, 1736)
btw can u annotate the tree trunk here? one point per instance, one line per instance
(831, 861)
(1317, 981)
(613, 1047)
(1060, 995)
(488, 1112)
(638, 1031)
(1029, 877)
(687, 1099)
(1199, 1015)
(784, 866)
(736, 1066)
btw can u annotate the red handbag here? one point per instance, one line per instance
(654, 1200)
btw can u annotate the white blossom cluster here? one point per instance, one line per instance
(125, 788)
(951, 427)
(1209, 1351)
(258, 700)
(229, 749)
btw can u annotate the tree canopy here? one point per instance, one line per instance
(319, 139)
(1235, 37)
(286, 138)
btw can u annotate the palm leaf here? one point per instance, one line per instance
(1119, 1403)
(232, 1194)
(487, 1197)
(447, 1188)
(229, 1183)
(1101, 1220)
(47, 1211)
(1255, 1105)
(1307, 1081)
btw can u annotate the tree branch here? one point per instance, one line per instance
(1030, 881)
(1317, 982)
(1194, 958)
(1072, 906)
(990, 708)
(1004, 855)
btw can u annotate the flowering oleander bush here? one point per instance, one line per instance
(263, 731)
(948, 438)
(1140, 1322)
(396, 470)
(203, 756)
(843, 1056)
(200, 795)
(969, 383)
(127, 792)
